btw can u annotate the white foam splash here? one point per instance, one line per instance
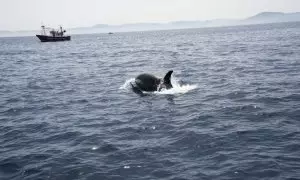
(127, 85)
(177, 87)
(94, 148)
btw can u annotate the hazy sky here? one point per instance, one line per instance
(29, 14)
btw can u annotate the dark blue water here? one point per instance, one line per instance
(66, 112)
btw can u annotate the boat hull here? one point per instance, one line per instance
(53, 39)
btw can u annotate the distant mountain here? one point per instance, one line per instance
(100, 26)
(5, 31)
(18, 33)
(272, 17)
(264, 17)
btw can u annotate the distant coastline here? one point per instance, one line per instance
(261, 18)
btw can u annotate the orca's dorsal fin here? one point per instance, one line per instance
(167, 79)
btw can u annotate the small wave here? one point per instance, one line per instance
(178, 88)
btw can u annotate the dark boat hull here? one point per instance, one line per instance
(53, 39)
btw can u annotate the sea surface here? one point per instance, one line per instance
(67, 111)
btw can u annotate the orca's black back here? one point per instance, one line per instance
(147, 82)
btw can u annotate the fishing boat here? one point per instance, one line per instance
(52, 35)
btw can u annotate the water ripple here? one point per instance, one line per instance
(66, 113)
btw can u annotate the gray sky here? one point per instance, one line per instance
(29, 14)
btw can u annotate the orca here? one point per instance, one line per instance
(150, 83)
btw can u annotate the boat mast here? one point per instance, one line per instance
(61, 31)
